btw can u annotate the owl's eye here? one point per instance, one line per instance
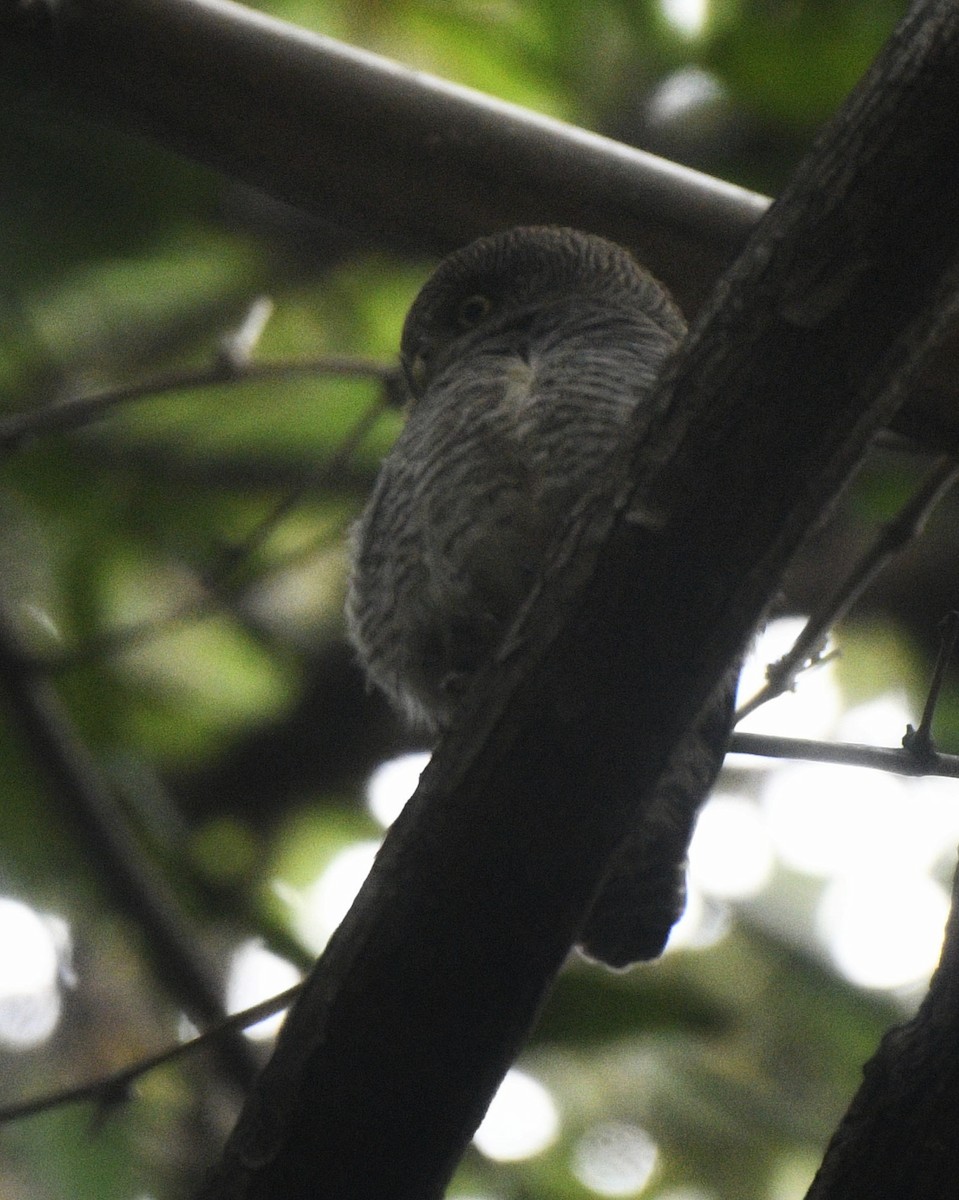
(472, 310)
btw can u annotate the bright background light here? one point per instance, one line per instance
(703, 923)
(875, 842)
(34, 960)
(884, 930)
(522, 1120)
(682, 92)
(318, 909)
(731, 855)
(256, 974)
(839, 825)
(811, 710)
(823, 819)
(391, 785)
(687, 17)
(615, 1158)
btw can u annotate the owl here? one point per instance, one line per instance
(526, 355)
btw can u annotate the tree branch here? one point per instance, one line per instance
(117, 1083)
(810, 343)
(895, 759)
(440, 164)
(79, 411)
(88, 806)
(900, 760)
(908, 524)
(920, 741)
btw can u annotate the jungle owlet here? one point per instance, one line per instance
(525, 354)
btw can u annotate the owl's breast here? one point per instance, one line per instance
(519, 377)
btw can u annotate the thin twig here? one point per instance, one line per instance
(186, 612)
(220, 582)
(894, 759)
(894, 536)
(848, 754)
(81, 410)
(224, 571)
(919, 741)
(117, 1083)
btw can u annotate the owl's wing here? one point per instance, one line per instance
(644, 892)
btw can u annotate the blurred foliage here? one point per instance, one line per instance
(219, 697)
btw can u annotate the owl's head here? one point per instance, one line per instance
(499, 281)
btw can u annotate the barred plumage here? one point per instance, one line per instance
(527, 353)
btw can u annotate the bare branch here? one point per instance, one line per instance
(106, 1087)
(897, 759)
(221, 583)
(441, 164)
(893, 759)
(809, 345)
(82, 410)
(919, 741)
(907, 525)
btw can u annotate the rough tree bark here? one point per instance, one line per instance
(810, 343)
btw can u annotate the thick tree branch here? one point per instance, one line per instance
(809, 344)
(330, 127)
(409, 158)
(431, 984)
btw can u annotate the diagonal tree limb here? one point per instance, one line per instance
(87, 804)
(413, 160)
(809, 344)
(328, 126)
(899, 275)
